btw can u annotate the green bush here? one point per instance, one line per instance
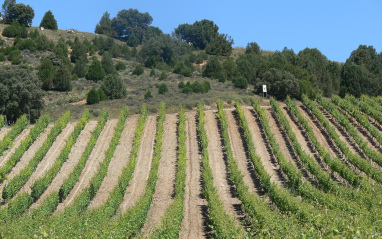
(102, 95)
(181, 85)
(80, 67)
(152, 72)
(240, 82)
(15, 30)
(48, 21)
(93, 97)
(138, 70)
(114, 87)
(198, 87)
(148, 95)
(187, 90)
(61, 79)
(120, 66)
(107, 63)
(95, 72)
(162, 89)
(163, 75)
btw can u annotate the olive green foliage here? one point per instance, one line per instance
(133, 40)
(93, 97)
(15, 30)
(95, 71)
(7, 5)
(131, 21)
(280, 84)
(61, 79)
(240, 82)
(229, 69)
(163, 50)
(182, 69)
(114, 87)
(214, 69)
(107, 63)
(21, 13)
(204, 35)
(46, 73)
(195, 87)
(162, 88)
(148, 95)
(20, 92)
(120, 66)
(163, 75)
(104, 25)
(138, 70)
(61, 53)
(79, 50)
(252, 48)
(80, 67)
(48, 21)
(102, 95)
(152, 72)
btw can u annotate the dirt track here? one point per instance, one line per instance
(164, 190)
(4, 131)
(193, 225)
(145, 153)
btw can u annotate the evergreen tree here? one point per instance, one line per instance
(46, 73)
(7, 5)
(61, 80)
(79, 50)
(48, 21)
(113, 87)
(95, 71)
(80, 67)
(93, 97)
(104, 25)
(107, 63)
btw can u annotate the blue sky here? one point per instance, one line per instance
(335, 27)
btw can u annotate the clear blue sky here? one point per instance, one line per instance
(335, 27)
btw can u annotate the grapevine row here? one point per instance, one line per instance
(172, 219)
(17, 182)
(353, 158)
(19, 126)
(224, 225)
(34, 133)
(267, 222)
(344, 121)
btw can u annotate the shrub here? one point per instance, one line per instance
(95, 72)
(2, 57)
(80, 67)
(148, 95)
(162, 89)
(114, 87)
(107, 63)
(240, 82)
(187, 90)
(15, 30)
(28, 44)
(186, 72)
(207, 85)
(163, 75)
(93, 97)
(102, 95)
(213, 69)
(46, 73)
(138, 70)
(181, 85)
(120, 66)
(152, 72)
(198, 87)
(61, 79)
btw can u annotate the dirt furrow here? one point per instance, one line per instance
(68, 166)
(145, 153)
(117, 163)
(239, 153)
(29, 154)
(4, 131)
(195, 206)
(263, 148)
(219, 168)
(164, 191)
(308, 146)
(332, 145)
(16, 143)
(50, 157)
(91, 166)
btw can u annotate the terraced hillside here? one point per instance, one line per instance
(271, 169)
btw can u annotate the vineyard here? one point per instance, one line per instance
(270, 169)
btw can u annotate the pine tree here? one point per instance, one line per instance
(95, 72)
(48, 21)
(61, 80)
